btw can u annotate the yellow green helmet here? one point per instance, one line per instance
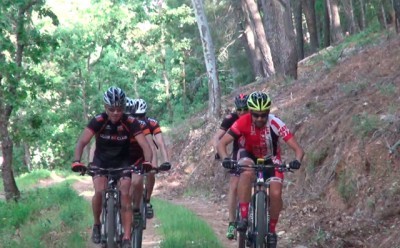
(259, 101)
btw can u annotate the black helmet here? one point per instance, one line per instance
(114, 97)
(241, 101)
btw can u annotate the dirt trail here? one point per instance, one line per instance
(150, 237)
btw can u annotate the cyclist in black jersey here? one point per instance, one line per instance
(158, 142)
(241, 109)
(113, 130)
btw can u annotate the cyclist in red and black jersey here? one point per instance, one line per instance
(158, 140)
(137, 158)
(241, 109)
(113, 131)
(261, 131)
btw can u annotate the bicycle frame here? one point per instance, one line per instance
(111, 223)
(259, 216)
(137, 232)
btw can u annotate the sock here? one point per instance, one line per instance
(244, 209)
(272, 225)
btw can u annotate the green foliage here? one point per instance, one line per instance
(387, 89)
(353, 88)
(182, 228)
(41, 212)
(347, 185)
(365, 124)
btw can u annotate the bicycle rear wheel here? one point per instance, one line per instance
(137, 233)
(260, 220)
(110, 222)
(239, 236)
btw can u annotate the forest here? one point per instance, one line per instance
(58, 57)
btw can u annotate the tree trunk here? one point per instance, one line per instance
(298, 17)
(214, 103)
(311, 19)
(261, 38)
(279, 26)
(253, 50)
(396, 7)
(327, 24)
(348, 8)
(10, 187)
(337, 33)
(183, 76)
(27, 157)
(363, 24)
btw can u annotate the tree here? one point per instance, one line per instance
(298, 18)
(280, 34)
(352, 26)
(22, 45)
(336, 28)
(214, 104)
(262, 42)
(309, 12)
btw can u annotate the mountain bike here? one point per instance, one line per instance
(139, 226)
(111, 224)
(259, 217)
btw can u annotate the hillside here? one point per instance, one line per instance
(345, 111)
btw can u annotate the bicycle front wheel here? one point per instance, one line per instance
(260, 220)
(110, 222)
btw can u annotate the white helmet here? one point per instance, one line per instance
(130, 106)
(140, 106)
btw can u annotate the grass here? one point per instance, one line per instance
(347, 186)
(365, 124)
(182, 228)
(28, 179)
(40, 214)
(53, 216)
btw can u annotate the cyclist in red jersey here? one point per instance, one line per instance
(241, 109)
(113, 131)
(261, 132)
(158, 141)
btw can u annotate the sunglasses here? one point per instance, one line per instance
(242, 109)
(115, 109)
(263, 115)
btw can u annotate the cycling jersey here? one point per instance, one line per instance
(260, 141)
(227, 122)
(135, 150)
(113, 140)
(153, 125)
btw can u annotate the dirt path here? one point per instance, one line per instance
(215, 215)
(150, 237)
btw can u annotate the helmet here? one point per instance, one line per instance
(259, 101)
(140, 106)
(130, 106)
(241, 101)
(114, 97)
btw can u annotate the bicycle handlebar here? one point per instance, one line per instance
(264, 164)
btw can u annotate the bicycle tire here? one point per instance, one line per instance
(260, 220)
(137, 235)
(239, 236)
(143, 207)
(110, 222)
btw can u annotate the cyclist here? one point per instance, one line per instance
(137, 159)
(241, 109)
(112, 130)
(158, 140)
(261, 131)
